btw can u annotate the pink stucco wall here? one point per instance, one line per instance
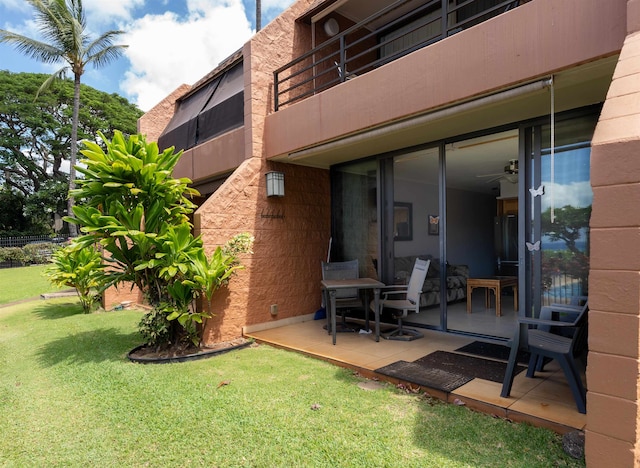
(291, 233)
(533, 40)
(291, 238)
(614, 318)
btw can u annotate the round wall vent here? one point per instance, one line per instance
(331, 27)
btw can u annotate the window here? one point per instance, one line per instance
(211, 110)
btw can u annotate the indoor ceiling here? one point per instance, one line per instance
(358, 10)
(475, 165)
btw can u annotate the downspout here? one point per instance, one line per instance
(258, 15)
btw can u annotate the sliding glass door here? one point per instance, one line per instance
(417, 220)
(482, 184)
(558, 205)
(512, 205)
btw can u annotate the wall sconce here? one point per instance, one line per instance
(275, 184)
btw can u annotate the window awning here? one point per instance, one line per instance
(211, 110)
(225, 109)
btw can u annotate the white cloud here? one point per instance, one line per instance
(101, 12)
(166, 51)
(17, 5)
(275, 4)
(576, 194)
(166, 48)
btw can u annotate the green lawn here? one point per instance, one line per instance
(70, 397)
(22, 283)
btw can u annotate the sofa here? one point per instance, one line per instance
(456, 279)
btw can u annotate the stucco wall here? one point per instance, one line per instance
(291, 238)
(113, 297)
(291, 233)
(533, 40)
(213, 157)
(614, 298)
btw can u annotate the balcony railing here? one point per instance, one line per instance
(407, 25)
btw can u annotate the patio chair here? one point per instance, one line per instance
(564, 313)
(544, 342)
(408, 301)
(346, 299)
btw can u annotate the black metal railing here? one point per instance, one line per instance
(364, 46)
(562, 287)
(21, 241)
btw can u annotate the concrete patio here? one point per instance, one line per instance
(542, 401)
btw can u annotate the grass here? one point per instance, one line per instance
(22, 283)
(70, 397)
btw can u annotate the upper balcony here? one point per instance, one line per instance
(354, 37)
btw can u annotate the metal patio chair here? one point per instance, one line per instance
(346, 299)
(410, 302)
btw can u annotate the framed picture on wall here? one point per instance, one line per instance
(434, 225)
(402, 222)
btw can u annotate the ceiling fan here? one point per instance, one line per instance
(510, 173)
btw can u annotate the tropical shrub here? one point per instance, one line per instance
(79, 267)
(129, 204)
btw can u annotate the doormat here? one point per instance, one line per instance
(472, 367)
(424, 376)
(492, 350)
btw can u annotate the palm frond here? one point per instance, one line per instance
(33, 48)
(105, 40)
(106, 55)
(47, 83)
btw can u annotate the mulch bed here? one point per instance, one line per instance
(148, 355)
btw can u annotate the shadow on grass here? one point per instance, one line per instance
(94, 346)
(56, 310)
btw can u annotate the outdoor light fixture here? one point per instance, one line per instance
(275, 184)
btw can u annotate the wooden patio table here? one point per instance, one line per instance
(331, 286)
(495, 284)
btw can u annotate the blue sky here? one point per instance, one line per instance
(171, 42)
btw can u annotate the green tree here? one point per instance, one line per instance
(35, 138)
(139, 214)
(13, 222)
(568, 225)
(63, 26)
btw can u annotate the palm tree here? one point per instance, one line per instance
(62, 25)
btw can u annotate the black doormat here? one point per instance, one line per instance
(424, 376)
(469, 366)
(492, 350)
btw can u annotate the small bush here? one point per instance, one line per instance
(38, 252)
(155, 328)
(12, 254)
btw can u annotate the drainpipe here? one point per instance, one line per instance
(258, 15)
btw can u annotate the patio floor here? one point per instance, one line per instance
(543, 401)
